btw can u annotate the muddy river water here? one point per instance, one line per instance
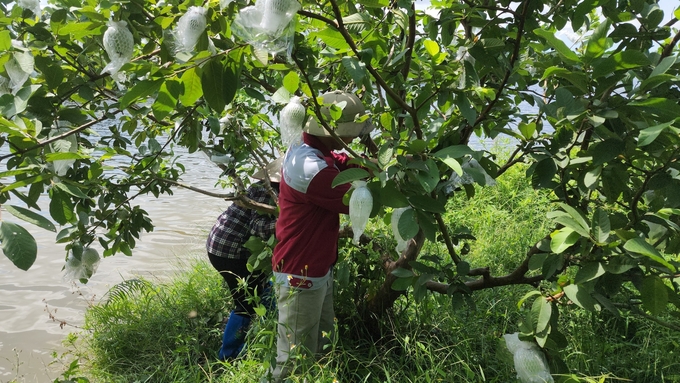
(39, 307)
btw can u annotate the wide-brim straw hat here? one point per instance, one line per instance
(273, 171)
(346, 125)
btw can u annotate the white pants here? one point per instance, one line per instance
(306, 323)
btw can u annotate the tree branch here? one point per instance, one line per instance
(447, 238)
(515, 55)
(348, 38)
(53, 139)
(516, 277)
(668, 49)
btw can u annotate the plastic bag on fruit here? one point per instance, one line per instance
(268, 25)
(189, 29)
(119, 45)
(530, 363)
(401, 242)
(291, 118)
(32, 5)
(360, 206)
(83, 268)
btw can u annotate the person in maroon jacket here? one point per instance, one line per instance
(307, 233)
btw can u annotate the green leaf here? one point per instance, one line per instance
(428, 178)
(569, 222)
(385, 155)
(166, 101)
(562, 239)
(25, 182)
(654, 294)
(552, 263)
(648, 135)
(581, 295)
(597, 43)
(402, 273)
(332, 38)
(5, 41)
(18, 245)
(558, 45)
(526, 297)
(577, 216)
(427, 224)
(527, 130)
(402, 284)
(291, 82)
(213, 82)
(192, 87)
(426, 203)
(19, 102)
(70, 189)
(349, 175)
(639, 246)
(536, 261)
(588, 272)
(601, 226)
(620, 264)
(466, 110)
(449, 154)
(140, 90)
(543, 309)
(408, 225)
(431, 47)
(543, 174)
(355, 68)
(31, 217)
(630, 59)
(606, 150)
(663, 66)
(391, 196)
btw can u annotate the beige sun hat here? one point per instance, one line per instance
(346, 125)
(273, 170)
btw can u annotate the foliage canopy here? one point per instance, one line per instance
(596, 121)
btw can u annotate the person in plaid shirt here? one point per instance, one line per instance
(230, 258)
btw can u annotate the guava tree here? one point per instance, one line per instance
(595, 119)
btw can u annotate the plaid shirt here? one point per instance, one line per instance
(235, 226)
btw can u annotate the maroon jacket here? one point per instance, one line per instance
(309, 208)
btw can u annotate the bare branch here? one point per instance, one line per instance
(668, 49)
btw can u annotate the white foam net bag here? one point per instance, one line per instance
(291, 118)
(83, 268)
(19, 68)
(189, 29)
(530, 363)
(119, 45)
(33, 5)
(360, 206)
(472, 166)
(396, 215)
(267, 25)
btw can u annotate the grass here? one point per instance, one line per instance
(150, 331)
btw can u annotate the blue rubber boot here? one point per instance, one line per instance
(234, 336)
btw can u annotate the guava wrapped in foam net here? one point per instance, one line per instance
(81, 264)
(396, 215)
(32, 5)
(530, 363)
(189, 29)
(291, 118)
(360, 206)
(267, 25)
(119, 45)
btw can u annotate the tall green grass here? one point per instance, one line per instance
(152, 331)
